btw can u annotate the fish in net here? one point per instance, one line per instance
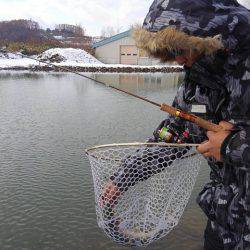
(142, 189)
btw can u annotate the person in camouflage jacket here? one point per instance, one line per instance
(212, 39)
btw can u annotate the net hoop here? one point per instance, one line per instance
(118, 224)
(136, 144)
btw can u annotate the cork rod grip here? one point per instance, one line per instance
(189, 117)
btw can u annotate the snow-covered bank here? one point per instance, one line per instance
(73, 59)
(27, 64)
(113, 68)
(12, 61)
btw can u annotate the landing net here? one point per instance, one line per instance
(142, 189)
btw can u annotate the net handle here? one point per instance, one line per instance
(136, 144)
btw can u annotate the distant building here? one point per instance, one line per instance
(121, 49)
(59, 37)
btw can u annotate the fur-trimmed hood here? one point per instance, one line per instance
(201, 26)
(170, 39)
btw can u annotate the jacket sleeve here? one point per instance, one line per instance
(236, 148)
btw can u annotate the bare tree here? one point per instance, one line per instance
(80, 30)
(109, 31)
(19, 30)
(68, 29)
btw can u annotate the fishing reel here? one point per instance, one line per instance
(173, 134)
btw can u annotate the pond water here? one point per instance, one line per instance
(47, 120)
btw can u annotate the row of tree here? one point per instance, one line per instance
(20, 30)
(28, 36)
(76, 30)
(110, 31)
(23, 30)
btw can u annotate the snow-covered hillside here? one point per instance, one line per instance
(68, 55)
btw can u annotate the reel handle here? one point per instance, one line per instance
(192, 118)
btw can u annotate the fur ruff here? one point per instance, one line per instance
(156, 44)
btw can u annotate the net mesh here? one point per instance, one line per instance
(141, 190)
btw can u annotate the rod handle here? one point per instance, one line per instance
(193, 118)
(208, 125)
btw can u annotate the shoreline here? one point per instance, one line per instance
(98, 69)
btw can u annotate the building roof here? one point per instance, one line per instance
(111, 39)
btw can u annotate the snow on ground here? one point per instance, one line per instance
(64, 57)
(10, 60)
(68, 55)
(76, 64)
(9, 56)
(17, 63)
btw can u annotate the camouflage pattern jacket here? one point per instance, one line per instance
(220, 80)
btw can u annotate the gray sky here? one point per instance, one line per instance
(92, 14)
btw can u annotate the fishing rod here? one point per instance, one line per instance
(164, 107)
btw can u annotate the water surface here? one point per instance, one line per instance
(46, 122)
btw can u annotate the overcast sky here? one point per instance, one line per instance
(92, 14)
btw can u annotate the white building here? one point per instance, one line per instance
(121, 49)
